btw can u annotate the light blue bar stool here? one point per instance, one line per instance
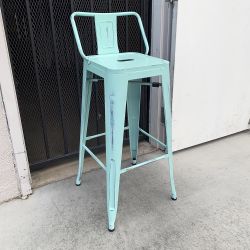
(122, 74)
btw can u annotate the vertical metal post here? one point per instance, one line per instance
(109, 5)
(62, 115)
(126, 27)
(94, 85)
(79, 82)
(38, 80)
(173, 43)
(163, 45)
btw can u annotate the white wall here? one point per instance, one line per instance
(211, 96)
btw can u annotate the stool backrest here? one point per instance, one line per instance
(106, 31)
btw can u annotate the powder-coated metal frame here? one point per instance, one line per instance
(118, 70)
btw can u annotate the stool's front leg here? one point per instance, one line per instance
(115, 107)
(168, 127)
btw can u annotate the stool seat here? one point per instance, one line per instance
(126, 61)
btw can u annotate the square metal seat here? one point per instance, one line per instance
(126, 61)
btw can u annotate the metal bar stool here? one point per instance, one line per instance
(121, 73)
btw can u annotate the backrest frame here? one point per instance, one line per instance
(106, 31)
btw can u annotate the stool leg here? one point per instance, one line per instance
(133, 106)
(86, 96)
(115, 107)
(168, 126)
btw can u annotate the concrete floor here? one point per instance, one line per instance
(212, 210)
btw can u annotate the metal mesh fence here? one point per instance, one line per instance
(47, 70)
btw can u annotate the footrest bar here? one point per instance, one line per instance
(99, 135)
(124, 170)
(152, 137)
(152, 84)
(94, 136)
(95, 158)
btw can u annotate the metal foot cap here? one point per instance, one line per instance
(78, 183)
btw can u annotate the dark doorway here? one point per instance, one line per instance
(47, 70)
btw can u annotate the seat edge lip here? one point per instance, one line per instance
(164, 63)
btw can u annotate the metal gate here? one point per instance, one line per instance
(47, 70)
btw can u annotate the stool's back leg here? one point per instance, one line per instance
(86, 96)
(115, 107)
(168, 127)
(133, 106)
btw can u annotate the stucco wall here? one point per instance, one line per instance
(8, 177)
(13, 176)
